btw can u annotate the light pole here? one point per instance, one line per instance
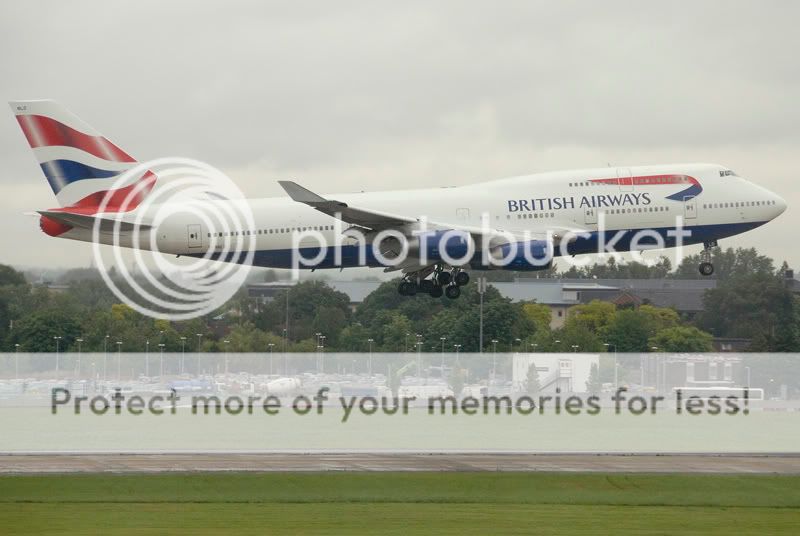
(494, 358)
(147, 357)
(197, 357)
(419, 355)
(119, 360)
(458, 349)
(369, 363)
(161, 361)
(534, 346)
(58, 340)
(746, 369)
(227, 342)
(516, 340)
(322, 353)
(442, 339)
(556, 342)
(80, 342)
(658, 384)
(105, 357)
(183, 353)
(616, 382)
(16, 361)
(481, 291)
(271, 347)
(575, 348)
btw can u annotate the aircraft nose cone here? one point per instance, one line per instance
(780, 205)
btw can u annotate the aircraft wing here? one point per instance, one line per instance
(338, 209)
(84, 221)
(377, 221)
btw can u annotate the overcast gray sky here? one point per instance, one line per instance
(390, 95)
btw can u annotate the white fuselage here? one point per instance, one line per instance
(711, 201)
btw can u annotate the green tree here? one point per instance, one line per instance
(532, 385)
(758, 307)
(593, 384)
(456, 380)
(629, 332)
(353, 338)
(539, 315)
(682, 339)
(594, 316)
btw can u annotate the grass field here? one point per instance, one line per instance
(399, 503)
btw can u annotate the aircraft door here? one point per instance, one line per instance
(625, 179)
(590, 215)
(690, 207)
(194, 236)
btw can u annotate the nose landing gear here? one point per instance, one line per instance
(706, 268)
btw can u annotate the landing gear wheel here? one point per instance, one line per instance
(407, 288)
(443, 278)
(436, 292)
(426, 285)
(706, 268)
(462, 278)
(452, 292)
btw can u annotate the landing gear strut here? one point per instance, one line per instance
(706, 268)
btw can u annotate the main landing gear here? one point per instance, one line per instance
(441, 282)
(706, 268)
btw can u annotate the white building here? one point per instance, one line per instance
(569, 372)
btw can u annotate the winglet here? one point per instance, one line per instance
(300, 194)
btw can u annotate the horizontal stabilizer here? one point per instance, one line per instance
(83, 221)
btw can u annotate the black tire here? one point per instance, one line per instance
(436, 292)
(443, 278)
(706, 268)
(452, 292)
(462, 278)
(426, 285)
(401, 288)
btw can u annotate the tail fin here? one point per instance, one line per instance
(81, 165)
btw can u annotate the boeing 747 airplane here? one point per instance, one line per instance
(433, 235)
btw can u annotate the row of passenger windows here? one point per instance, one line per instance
(274, 231)
(536, 215)
(635, 209)
(739, 204)
(629, 210)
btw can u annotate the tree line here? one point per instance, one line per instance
(751, 301)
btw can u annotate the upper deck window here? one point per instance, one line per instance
(727, 173)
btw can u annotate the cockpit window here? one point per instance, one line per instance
(727, 173)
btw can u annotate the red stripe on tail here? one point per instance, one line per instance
(44, 131)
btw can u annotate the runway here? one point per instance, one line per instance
(604, 463)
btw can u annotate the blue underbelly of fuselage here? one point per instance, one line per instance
(352, 257)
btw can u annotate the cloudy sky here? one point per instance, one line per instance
(387, 95)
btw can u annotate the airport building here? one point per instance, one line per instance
(683, 295)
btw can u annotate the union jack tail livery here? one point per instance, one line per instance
(82, 166)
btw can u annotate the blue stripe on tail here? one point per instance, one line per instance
(59, 173)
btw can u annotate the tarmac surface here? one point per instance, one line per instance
(610, 463)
